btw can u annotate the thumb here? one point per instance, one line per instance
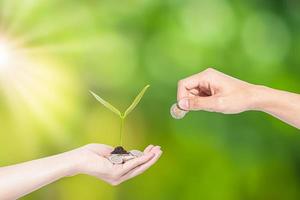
(197, 103)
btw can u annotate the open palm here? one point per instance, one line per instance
(95, 163)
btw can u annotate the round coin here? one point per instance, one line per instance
(127, 157)
(116, 159)
(136, 153)
(176, 112)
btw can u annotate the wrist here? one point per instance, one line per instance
(261, 97)
(72, 163)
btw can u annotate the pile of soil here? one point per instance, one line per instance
(119, 150)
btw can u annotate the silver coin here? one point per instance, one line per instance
(128, 157)
(136, 153)
(116, 159)
(177, 112)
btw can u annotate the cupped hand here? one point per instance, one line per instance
(214, 91)
(94, 162)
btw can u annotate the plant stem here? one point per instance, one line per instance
(121, 131)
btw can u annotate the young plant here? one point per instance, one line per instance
(122, 115)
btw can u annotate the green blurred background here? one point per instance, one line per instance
(115, 48)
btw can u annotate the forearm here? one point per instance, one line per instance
(280, 104)
(21, 179)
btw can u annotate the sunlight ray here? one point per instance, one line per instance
(41, 87)
(23, 10)
(66, 47)
(38, 109)
(44, 90)
(58, 25)
(7, 14)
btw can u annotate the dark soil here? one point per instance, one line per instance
(119, 150)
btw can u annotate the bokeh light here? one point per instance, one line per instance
(5, 54)
(209, 22)
(266, 39)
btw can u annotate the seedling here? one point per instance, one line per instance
(122, 115)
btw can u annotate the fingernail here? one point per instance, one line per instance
(184, 104)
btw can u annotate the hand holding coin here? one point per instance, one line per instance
(120, 155)
(116, 165)
(177, 112)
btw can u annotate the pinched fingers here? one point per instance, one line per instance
(199, 103)
(186, 86)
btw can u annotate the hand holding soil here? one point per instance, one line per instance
(121, 164)
(119, 155)
(94, 161)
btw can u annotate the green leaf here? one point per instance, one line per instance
(107, 105)
(136, 101)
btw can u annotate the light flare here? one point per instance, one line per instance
(6, 54)
(35, 87)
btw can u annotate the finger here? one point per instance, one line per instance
(194, 81)
(187, 84)
(139, 170)
(157, 153)
(182, 91)
(148, 149)
(194, 92)
(142, 168)
(198, 103)
(135, 162)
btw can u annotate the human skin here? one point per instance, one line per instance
(214, 91)
(21, 179)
